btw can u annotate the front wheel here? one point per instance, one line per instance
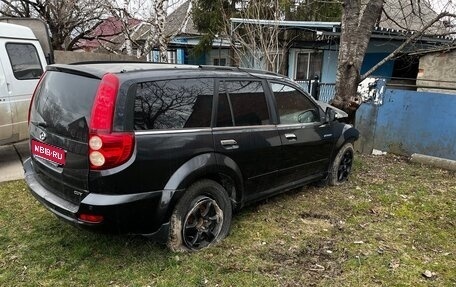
(201, 218)
(342, 165)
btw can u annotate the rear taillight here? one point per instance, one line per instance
(112, 150)
(91, 218)
(107, 149)
(33, 96)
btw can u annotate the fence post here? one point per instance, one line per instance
(315, 92)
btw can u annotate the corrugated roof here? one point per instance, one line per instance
(175, 20)
(398, 19)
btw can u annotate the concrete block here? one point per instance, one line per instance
(434, 161)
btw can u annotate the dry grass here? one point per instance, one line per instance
(389, 224)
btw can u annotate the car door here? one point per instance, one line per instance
(23, 69)
(306, 139)
(244, 133)
(6, 130)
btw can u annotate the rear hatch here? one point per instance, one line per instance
(59, 132)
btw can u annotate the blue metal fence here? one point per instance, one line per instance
(407, 122)
(326, 91)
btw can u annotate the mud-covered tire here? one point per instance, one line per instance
(201, 218)
(342, 165)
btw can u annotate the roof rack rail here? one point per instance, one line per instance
(112, 62)
(221, 68)
(230, 68)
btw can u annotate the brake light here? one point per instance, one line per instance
(107, 149)
(33, 97)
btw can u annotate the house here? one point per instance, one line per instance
(437, 70)
(180, 31)
(313, 52)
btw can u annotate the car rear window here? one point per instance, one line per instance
(173, 104)
(63, 104)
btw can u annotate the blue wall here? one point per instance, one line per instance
(376, 51)
(192, 60)
(329, 69)
(410, 122)
(371, 59)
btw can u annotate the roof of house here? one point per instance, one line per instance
(106, 32)
(179, 22)
(439, 50)
(398, 19)
(179, 19)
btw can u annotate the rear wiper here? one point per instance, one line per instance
(40, 124)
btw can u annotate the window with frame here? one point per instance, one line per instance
(308, 65)
(242, 103)
(173, 104)
(293, 106)
(25, 61)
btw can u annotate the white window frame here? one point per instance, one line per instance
(295, 70)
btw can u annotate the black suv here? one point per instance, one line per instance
(170, 151)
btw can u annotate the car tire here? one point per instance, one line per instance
(342, 165)
(201, 218)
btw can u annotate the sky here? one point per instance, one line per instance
(443, 5)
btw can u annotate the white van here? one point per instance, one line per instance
(22, 62)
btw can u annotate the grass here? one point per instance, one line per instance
(385, 227)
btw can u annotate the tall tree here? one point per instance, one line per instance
(209, 17)
(415, 17)
(264, 45)
(358, 22)
(68, 20)
(162, 30)
(160, 11)
(313, 10)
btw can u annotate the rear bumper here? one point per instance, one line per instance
(140, 213)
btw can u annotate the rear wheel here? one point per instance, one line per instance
(342, 165)
(201, 218)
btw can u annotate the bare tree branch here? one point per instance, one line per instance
(65, 18)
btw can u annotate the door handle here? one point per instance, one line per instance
(291, 137)
(229, 144)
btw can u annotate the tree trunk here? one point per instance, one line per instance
(161, 7)
(128, 44)
(346, 89)
(357, 25)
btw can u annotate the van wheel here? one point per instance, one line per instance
(201, 218)
(342, 165)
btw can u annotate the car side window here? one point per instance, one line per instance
(293, 106)
(24, 61)
(173, 104)
(242, 103)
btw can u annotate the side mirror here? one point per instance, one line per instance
(330, 115)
